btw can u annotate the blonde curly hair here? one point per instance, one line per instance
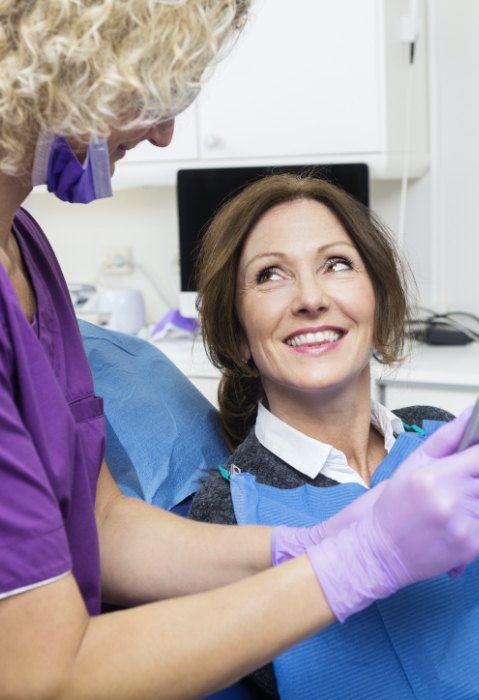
(81, 68)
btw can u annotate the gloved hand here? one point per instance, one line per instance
(289, 542)
(424, 523)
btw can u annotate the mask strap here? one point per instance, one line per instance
(100, 167)
(41, 158)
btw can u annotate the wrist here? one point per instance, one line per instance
(290, 542)
(353, 568)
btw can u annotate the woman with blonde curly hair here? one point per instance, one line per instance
(81, 82)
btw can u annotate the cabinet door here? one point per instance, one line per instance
(304, 78)
(455, 400)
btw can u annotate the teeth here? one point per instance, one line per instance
(313, 338)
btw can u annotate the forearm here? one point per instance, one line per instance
(148, 554)
(182, 648)
(223, 635)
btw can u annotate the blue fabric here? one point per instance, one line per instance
(423, 642)
(161, 431)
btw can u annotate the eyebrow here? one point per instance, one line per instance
(282, 256)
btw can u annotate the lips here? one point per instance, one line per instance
(314, 337)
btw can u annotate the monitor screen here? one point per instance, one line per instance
(201, 191)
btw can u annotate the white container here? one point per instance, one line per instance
(122, 309)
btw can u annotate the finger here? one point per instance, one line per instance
(465, 466)
(446, 440)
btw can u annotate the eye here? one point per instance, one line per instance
(339, 264)
(269, 274)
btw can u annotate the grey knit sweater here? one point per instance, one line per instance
(212, 503)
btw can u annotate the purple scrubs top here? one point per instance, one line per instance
(52, 432)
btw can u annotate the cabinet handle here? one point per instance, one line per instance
(213, 141)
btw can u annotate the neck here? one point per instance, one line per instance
(13, 193)
(341, 418)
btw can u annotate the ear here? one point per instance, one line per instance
(244, 348)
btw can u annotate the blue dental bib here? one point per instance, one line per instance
(422, 642)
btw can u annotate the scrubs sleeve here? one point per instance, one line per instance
(33, 543)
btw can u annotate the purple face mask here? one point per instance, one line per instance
(57, 167)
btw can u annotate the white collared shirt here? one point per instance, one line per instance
(310, 456)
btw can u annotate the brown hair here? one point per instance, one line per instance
(240, 388)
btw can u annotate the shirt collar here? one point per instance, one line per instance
(311, 457)
(386, 423)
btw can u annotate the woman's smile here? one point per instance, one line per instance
(315, 339)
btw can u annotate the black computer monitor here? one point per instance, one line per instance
(201, 191)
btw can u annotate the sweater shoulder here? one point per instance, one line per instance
(414, 415)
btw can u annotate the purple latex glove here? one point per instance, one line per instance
(424, 523)
(288, 542)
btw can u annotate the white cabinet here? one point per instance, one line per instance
(312, 81)
(301, 81)
(446, 377)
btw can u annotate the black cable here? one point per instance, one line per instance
(444, 328)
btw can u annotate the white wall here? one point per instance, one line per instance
(144, 219)
(457, 116)
(442, 218)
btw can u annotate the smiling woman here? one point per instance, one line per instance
(299, 287)
(300, 242)
(306, 305)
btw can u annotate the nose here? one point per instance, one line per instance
(161, 134)
(311, 295)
